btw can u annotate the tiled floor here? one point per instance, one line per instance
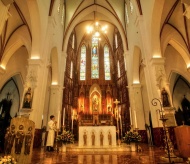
(149, 155)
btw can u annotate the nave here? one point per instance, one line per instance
(149, 155)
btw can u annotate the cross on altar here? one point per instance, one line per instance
(116, 102)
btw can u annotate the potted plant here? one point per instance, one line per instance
(65, 137)
(7, 160)
(132, 138)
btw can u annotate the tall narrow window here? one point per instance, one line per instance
(107, 63)
(131, 6)
(71, 73)
(73, 41)
(94, 59)
(118, 69)
(83, 63)
(126, 14)
(116, 43)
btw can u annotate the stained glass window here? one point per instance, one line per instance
(83, 63)
(118, 69)
(116, 43)
(107, 63)
(94, 59)
(71, 73)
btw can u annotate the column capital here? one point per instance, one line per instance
(157, 61)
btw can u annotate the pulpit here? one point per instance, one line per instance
(183, 140)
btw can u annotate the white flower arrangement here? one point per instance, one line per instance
(7, 160)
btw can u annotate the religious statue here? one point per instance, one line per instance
(165, 99)
(19, 138)
(28, 141)
(101, 139)
(95, 104)
(9, 139)
(109, 138)
(85, 138)
(93, 139)
(28, 99)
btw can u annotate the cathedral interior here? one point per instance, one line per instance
(97, 64)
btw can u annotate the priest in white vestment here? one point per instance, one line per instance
(51, 133)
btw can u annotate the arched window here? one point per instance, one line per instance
(71, 73)
(94, 59)
(118, 69)
(83, 63)
(131, 6)
(126, 14)
(116, 43)
(107, 63)
(73, 41)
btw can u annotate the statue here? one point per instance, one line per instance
(28, 141)
(109, 138)
(101, 139)
(85, 138)
(19, 138)
(28, 99)
(165, 100)
(95, 104)
(93, 139)
(9, 139)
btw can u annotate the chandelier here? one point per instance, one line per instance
(96, 29)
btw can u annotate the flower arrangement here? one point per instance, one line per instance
(7, 160)
(65, 137)
(132, 136)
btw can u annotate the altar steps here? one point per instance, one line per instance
(76, 148)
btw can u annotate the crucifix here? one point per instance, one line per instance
(116, 102)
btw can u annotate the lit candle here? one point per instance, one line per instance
(130, 116)
(135, 116)
(63, 117)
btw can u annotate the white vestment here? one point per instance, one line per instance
(51, 133)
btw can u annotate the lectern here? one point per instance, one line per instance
(183, 140)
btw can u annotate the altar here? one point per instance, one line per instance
(97, 136)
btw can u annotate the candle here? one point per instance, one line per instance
(130, 116)
(63, 117)
(58, 117)
(135, 116)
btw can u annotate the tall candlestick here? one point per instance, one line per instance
(63, 117)
(135, 116)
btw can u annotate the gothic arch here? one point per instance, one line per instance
(171, 36)
(20, 37)
(155, 27)
(87, 11)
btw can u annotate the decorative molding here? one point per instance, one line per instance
(187, 8)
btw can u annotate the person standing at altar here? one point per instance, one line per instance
(51, 133)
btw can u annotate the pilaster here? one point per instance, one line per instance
(137, 110)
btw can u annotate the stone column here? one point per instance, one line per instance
(4, 14)
(158, 73)
(36, 79)
(55, 104)
(137, 109)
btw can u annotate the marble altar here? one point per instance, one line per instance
(91, 136)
